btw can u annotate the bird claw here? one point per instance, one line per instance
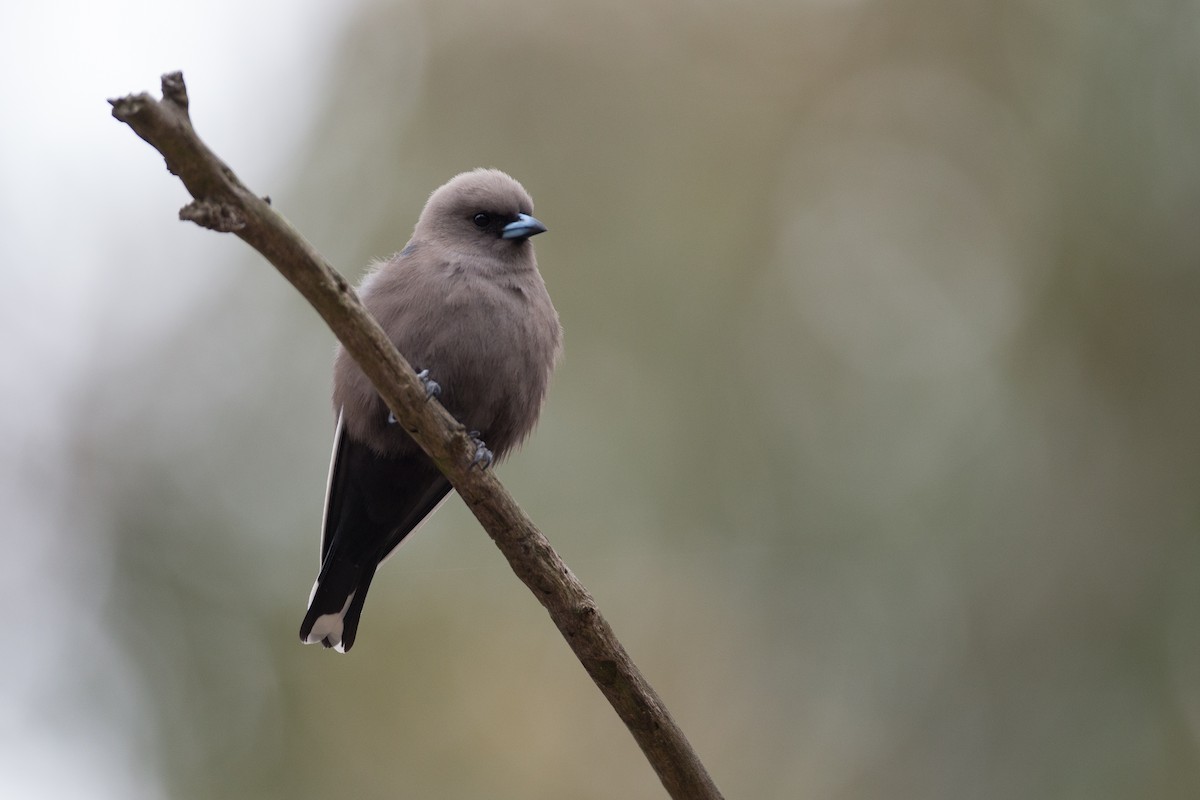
(432, 387)
(483, 456)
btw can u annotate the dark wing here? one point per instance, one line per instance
(373, 502)
(333, 497)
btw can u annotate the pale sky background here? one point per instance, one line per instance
(65, 186)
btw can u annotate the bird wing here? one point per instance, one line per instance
(393, 495)
(333, 497)
(372, 504)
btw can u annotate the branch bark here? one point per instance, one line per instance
(222, 203)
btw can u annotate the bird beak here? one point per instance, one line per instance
(524, 227)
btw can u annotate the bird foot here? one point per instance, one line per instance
(483, 457)
(432, 389)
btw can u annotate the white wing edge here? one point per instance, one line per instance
(337, 440)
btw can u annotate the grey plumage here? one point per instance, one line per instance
(463, 300)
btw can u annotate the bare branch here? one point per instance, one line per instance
(223, 203)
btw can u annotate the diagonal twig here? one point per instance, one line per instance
(222, 203)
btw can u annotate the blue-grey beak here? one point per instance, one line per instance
(524, 227)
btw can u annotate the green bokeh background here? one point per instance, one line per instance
(876, 437)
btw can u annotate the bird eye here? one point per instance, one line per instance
(482, 220)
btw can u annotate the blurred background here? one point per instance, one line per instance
(876, 439)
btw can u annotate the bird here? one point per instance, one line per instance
(464, 302)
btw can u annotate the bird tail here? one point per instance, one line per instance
(335, 605)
